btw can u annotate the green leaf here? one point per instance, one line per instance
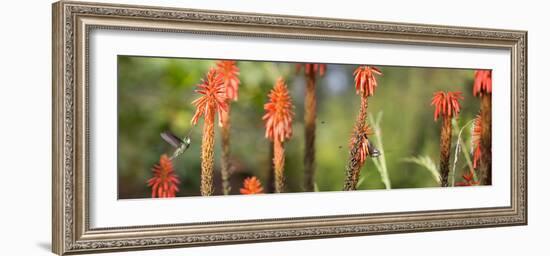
(428, 164)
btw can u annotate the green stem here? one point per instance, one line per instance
(380, 161)
(462, 144)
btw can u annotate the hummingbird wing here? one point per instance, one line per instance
(171, 139)
(373, 152)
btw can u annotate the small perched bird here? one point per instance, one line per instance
(180, 145)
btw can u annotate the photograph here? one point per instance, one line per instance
(195, 126)
(215, 127)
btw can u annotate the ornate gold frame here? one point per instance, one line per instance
(72, 21)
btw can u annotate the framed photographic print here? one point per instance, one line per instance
(178, 127)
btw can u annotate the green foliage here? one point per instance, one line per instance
(460, 146)
(428, 164)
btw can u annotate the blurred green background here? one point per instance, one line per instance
(155, 94)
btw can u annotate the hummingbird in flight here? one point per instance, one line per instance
(369, 147)
(373, 152)
(181, 145)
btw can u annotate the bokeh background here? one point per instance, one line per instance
(155, 94)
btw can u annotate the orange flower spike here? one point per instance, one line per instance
(164, 182)
(483, 82)
(310, 68)
(482, 88)
(230, 74)
(446, 104)
(278, 127)
(311, 71)
(279, 114)
(365, 81)
(252, 185)
(213, 99)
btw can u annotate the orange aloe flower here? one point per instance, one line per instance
(446, 104)
(212, 101)
(476, 140)
(365, 81)
(252, 185)
(483, 87)
(278, 127)
(365, 85)
(310, 118)
(164, 182)
(213, 97)
(230, 74)
(482, 82)
(312, 68)
(279, 114)
(468, 180)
